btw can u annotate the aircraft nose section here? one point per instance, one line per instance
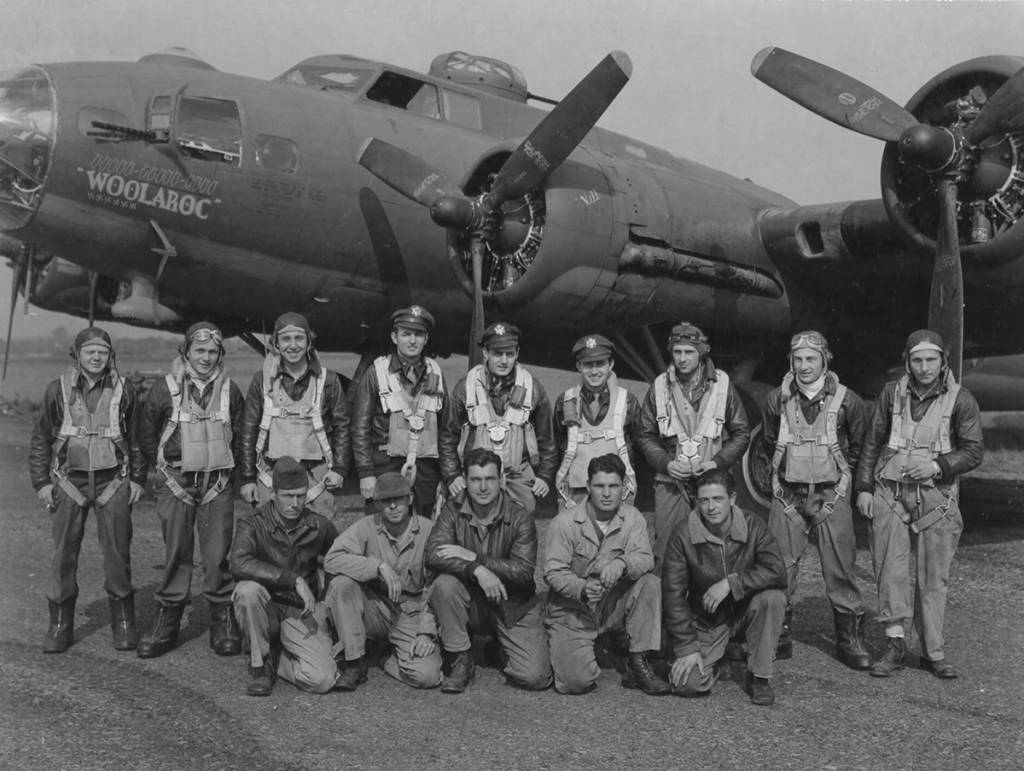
(27, 123)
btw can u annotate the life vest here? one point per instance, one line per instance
(412, 422)
(585, 441)
(698, 435)
(92, 439)
(929, 438)
(508, 435)
(288, 427)
(205, 436)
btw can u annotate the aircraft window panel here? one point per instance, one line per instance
(463, 110)
(405, 93)
(327, 78)
(209, 129)
(277, 153)
(88, 115)
(158, 118)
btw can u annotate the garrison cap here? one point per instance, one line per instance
(91, 336)
(414, 317)
(593, 347)
(500, 335)
(391, 484)
(685, 332)
(289, 474)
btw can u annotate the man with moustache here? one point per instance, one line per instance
(723, 575)
(297, 408)
(925, 432)
(691, 421)
(83, 456)
(189, 428)
(399, 403)
(599, 569)
(378, 589)
(274, 560)
(592, 419)
(483, 548)
(816, 425)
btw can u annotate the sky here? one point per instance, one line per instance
(691, 91)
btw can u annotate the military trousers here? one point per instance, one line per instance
(179, 522)
(833, 536)
(632, 606)
(891, 539)
(306, 660)
(759, 620)
(460, 609)
(113, 528)
(671, 506)
(361, 610)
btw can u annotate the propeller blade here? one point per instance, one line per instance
(409, 174)
(831, 94)
(93, 279)
(562, 129)
(1002, 114)
(19, 273)
(946, 303)
(30, 255)
(476, 326)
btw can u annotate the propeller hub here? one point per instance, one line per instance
(454, 212)
(930, 148)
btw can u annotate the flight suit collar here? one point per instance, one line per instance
(699, 532)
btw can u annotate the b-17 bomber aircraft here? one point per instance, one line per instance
(164, 191)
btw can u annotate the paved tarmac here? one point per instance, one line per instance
(94, 707)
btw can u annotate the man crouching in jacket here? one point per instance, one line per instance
(723, 574)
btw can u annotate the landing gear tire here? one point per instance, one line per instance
(754, 477)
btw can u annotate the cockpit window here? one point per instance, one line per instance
(209, 129)
(27, 109)
(158, 118)
(462, 109)
(327, 78)
(406, 93)
(277, 153)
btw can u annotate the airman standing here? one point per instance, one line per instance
(83, 455)
(399, 404)
(691, 421)
(924, 433)
(816, 425)
(501, 407)
(295, 408)
(189, 428)
(592, 419)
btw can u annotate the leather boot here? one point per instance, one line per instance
(760, 690)
(165, 631)
(61, 633)
(893, 660)
(784, 647)
(225, 638)
(850, 648)
(261, 681)
(122, 623)
(640, 675)
(352, 676)
(461, 674)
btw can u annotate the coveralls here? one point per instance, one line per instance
(578, 549)
(359, 603)
(930, 510)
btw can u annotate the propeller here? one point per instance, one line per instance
(946, 155)
(543, 151)
(20, 274)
